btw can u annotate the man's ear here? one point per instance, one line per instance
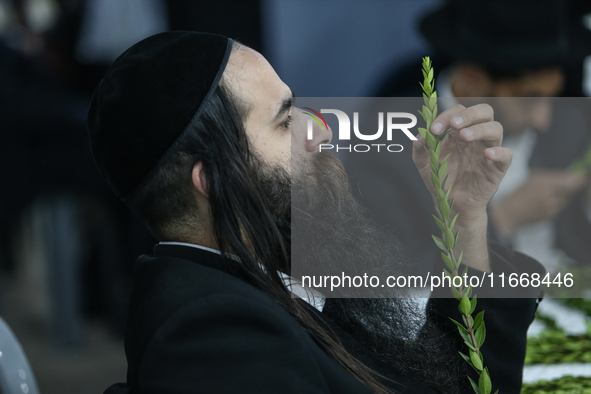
(199, 180)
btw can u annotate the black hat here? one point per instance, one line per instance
(148, 101)
(509, 35)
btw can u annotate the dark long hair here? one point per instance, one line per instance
(242, 221)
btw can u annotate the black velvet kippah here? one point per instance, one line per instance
(148, 100)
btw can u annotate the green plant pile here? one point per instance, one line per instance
(554, 346)
(564, 385)
(582, 304)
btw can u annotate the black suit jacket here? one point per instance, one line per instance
(193, 328)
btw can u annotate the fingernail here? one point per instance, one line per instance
(468, 133)
(436, 127)
(457, 120)
(491, 153)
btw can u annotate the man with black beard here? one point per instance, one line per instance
(194, 132)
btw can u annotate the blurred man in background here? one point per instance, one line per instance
(496, 49)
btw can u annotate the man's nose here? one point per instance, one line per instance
(321, 134)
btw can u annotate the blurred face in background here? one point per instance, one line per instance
(529, 91)
(535, 109)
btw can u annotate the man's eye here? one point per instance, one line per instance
(287, 123)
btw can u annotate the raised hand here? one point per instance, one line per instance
(477, 163)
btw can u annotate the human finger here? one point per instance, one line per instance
(501, 156)
(441, 123)
(467, 117)
(490, 132)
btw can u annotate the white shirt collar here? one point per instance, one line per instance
(192, 246)
(310, 296)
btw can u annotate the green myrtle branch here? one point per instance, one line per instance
(473, 331)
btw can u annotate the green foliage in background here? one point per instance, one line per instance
(583, 164)
(554, 346)
(564, 385)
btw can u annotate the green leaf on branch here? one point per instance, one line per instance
(480, 335)
(435, 109)
(456, 237)
(449, 239)
(475, 360)
(484, 383)
(466, 321)
(435, 181)
(478, 320)
(444, 209)
(472, 303)
(447, 193)
(474, 386)
(423, 132)
(469, 344)
(442, 170)
(439, 198)
(434, 161)
(431, 141)
(440, 225)
(460, 258)
(447, 261)
(434, 169)
(439, 242)
(434, 165)
(433, 100)
(467, 358)
(465, 306)
(453, 222)
(456, 293)
(467, 339)
(427, 114)
(438, 152)
(462, 328)
(468, 294)
(420, 112)
(444, 181)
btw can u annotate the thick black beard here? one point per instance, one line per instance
(331, 233)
